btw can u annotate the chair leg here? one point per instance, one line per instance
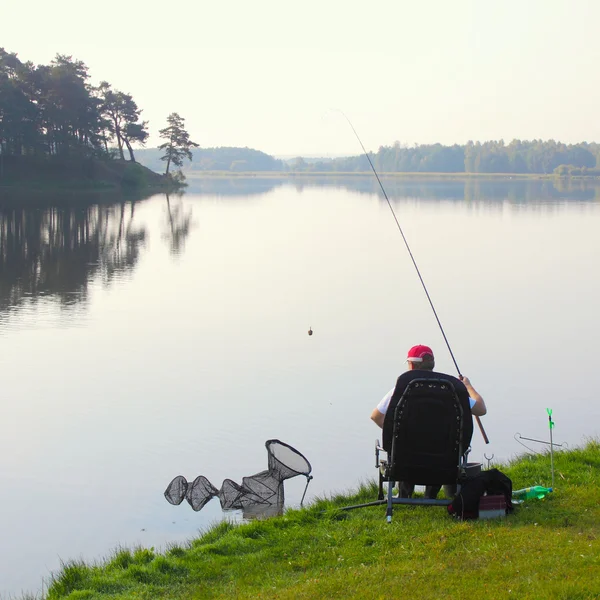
(390, 504)
(405, 489)
(380, 491)
(431, 491)
(450, 491)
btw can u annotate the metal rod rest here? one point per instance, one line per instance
(538, 441)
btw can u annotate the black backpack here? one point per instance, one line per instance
(465, 504)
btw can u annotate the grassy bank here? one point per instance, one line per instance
(51, 174)
(546, 549)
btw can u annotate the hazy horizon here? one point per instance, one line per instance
(260, 76)
(354, 153)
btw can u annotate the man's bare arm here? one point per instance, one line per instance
(378, 418)
(480, 408)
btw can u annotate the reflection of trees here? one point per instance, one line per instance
(56, 252)
(233, 186)
(528, 191)
(179, 223)
(473, 189)
(491, 190)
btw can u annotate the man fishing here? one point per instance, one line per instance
(421, 363)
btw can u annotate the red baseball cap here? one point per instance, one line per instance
(416, 353)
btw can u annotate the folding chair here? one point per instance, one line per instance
(426, 440)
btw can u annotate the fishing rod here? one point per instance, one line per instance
(485, 437)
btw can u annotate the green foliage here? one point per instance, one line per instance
(52, 110)
(562, 170)
(177, 177)
(134, 176)
(74, 575)
(176, 551)
(47, 109)
(521, 157)
(121, 115)
(574, 171)
(219, 159)
(143, 556)
(122, 560)
(518, 157)
(547, 549)
(178, 144)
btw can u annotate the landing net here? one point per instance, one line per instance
(264, 488)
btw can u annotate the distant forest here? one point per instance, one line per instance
(218, 159)
(537, 156)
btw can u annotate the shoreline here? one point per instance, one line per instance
(320, 551)
(43, 176)
(396, 175)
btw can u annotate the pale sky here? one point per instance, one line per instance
(267, 73)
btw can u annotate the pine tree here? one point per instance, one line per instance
(178, 143)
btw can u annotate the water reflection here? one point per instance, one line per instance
(179, 223)
(233, 186)
(497, 190)
(56, 252)
(189, 367)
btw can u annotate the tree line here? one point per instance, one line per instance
(523, 157)
(219, 159)
(536, 156)
(54, 110)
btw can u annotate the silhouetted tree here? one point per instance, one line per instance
(123, 115)
(70, 115)
(53, 110)
(178, 144)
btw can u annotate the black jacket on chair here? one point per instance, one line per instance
(427, 426)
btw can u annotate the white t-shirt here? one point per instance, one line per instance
(385, 402)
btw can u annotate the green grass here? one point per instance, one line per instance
(546, 549)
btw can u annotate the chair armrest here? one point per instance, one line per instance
(379, 449)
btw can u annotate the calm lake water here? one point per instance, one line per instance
(144, 340)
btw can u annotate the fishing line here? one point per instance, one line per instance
(485, 437)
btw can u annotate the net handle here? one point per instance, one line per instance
(308, 478)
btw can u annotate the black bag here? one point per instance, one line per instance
(465, 504)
